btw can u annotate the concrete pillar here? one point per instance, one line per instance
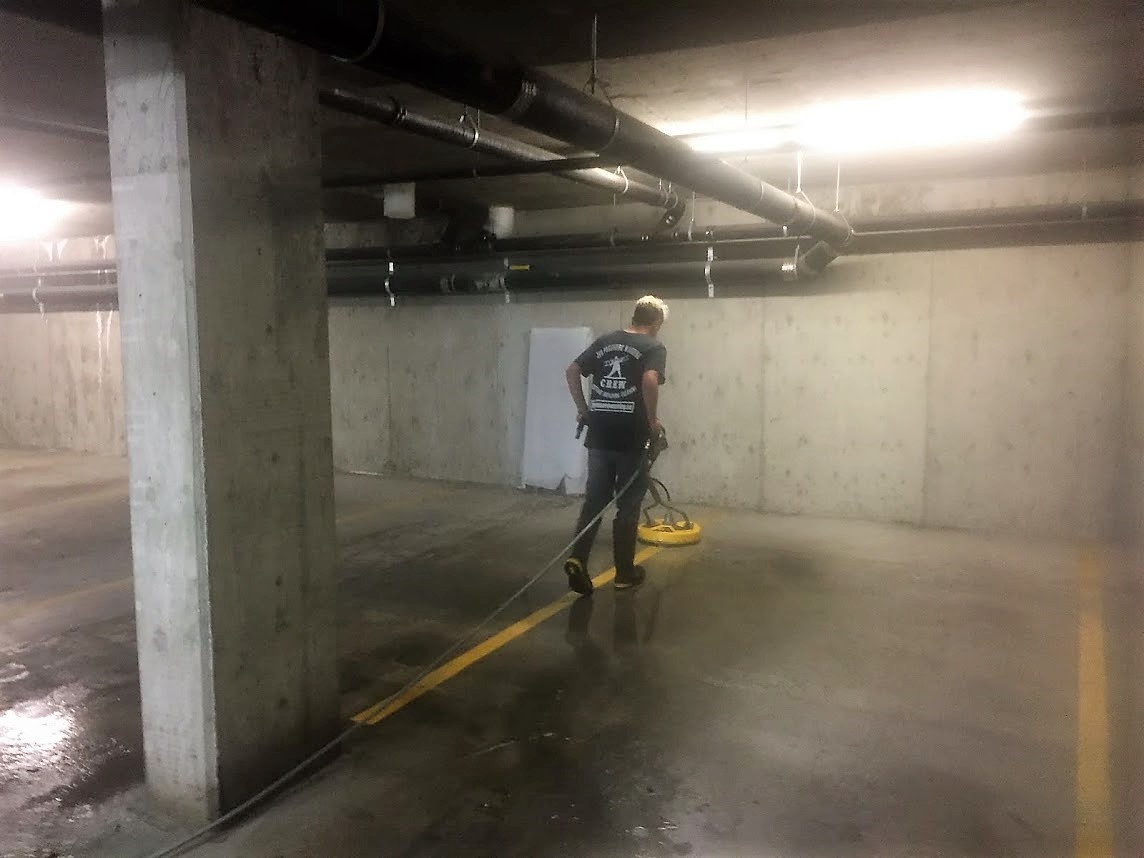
(1134, 471)
(215, 164)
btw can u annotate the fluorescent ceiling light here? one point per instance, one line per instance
(743, 140)
(25, 214)
(919, 120)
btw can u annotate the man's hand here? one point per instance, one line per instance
(576, 388)
(656, 427)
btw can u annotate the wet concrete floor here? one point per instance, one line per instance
(791, 687)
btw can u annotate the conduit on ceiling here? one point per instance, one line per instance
(739, 260)
(369, 34)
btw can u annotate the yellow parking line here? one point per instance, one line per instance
(489, 645)
(1094, 834)
(117, 491)
(52, 601)
(361, 515)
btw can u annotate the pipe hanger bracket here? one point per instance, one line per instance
(707, 271)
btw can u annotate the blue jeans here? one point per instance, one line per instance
(608, 472)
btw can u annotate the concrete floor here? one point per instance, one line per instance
(792, 686)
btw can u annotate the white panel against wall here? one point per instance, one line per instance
(359, 386)
(1026, 389)
(517, 321)
(844, 394)
(553, 456)
(454, 390)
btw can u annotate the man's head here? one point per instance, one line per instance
(649, 315)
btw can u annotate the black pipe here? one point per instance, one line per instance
(814, 261)
(60, 297)
(88, 286)
(60, 287)
(740, 276)
(390, 111)
(76, 271)
(528, 278)
(369, 34)
(657, 275)
(55, 127)
(565, 268)
(557, 165)
(1007, 216)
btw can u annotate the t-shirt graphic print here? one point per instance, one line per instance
(616, 363)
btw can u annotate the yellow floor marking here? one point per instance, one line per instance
(17, 513)
(1094, 837)
(489, 645)
(362, 515)
(52, 601)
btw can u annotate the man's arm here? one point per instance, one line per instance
(576, 388)
(651, 399)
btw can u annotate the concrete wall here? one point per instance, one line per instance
(61, 382)
(980, 389)
(1134, 426)
(987, 389)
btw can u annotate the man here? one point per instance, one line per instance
(626, 367)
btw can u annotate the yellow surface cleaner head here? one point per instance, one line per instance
(670, 534)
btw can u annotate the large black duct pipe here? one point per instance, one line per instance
(390, 111)
(371, 35)
(1052, 122)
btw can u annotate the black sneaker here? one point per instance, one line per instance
(578, 579)
(634, 580)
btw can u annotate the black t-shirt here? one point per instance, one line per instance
(617, 363)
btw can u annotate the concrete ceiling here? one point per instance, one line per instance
(662, 61)
(547, 32)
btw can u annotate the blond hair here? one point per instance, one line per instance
(649, 310)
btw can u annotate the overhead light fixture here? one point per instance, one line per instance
(25, 214)
(743, 140)
(919, 120)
